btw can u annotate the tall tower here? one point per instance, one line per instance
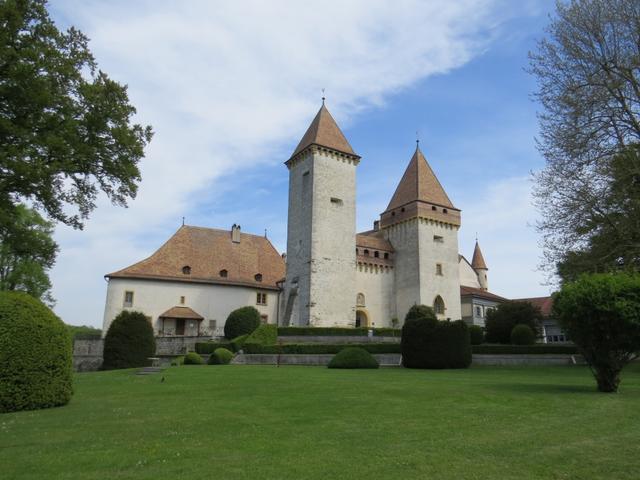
(480, 267)
(422, 225)
(320, 283)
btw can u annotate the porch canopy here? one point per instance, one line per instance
(182, 313)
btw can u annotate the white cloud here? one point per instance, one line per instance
(230, 85)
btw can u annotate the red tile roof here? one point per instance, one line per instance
(478, 292)
(478, 259)
(182, 312)
(324, 131)
(543, 303)
(208, 252)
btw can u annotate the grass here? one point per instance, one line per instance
(262, 422)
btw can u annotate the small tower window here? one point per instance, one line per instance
(438, 305)
(186, 270)
(402, 209)
(376, 254)
(182, 299)
(336, 201)
(438, 238)
(393, 214)
(439, 269)
(366, 252)
(356, 251)
(224, 273)
(444, 210)
(128, 299)
(386, 256)
(433, 207)
(258, 277)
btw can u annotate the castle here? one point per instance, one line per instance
(331, 275)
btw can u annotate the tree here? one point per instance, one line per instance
(129, 341)
(241, 321)
(501, 320)
(588, 70)
(601, 315)
(65, 126)
(27, 252)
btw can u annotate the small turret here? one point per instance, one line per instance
(480, 267)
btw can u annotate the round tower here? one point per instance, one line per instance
(480, 267)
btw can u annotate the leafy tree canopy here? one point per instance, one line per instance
(27, 252)
(588, 71)
(65, 126)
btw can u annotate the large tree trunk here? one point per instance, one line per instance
(608, 379)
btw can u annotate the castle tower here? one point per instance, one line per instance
(422, 225)
(480, 267)
(320, 283)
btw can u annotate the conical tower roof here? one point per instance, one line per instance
(324, 131)
(419, 183)
(478, 260)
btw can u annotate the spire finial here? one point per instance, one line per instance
(323, 98)
(476, 237)
(183, 221)
(417, 140)
(265, 233)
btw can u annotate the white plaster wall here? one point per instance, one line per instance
(377, 285)
(468, 275)
(333, 234)
(445, 253)
(213, 302)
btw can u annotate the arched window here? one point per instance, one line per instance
(360, 300)
(366, 253)
(376, 254)
(186, 270)
(444, 210)
(258, 277)
(224, 273)
(433, 207)
(438, 305)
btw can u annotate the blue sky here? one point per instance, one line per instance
(230, 94)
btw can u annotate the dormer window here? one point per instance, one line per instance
(224, 273)
(186, 270)
(258, 277)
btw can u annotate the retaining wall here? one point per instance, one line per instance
(333, 339)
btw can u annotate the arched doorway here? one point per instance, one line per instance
(362, 319)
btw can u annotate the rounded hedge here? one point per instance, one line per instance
(523, 335)
(220, 356)
(353, 357)
(129, 341)
(476, 333)
(241, 321)
(501, 320)
(428, 343)
(35, 355)
(192, 358)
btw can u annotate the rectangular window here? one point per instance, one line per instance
(181, 300)
(438, 269)
(478, 311)
(264, 318)
(261, 298)
(438, 238)
(336, 201)
(128, 299)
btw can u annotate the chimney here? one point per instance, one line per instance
(235, 233)
(376, 225)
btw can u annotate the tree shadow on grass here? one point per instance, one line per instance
(545, 388)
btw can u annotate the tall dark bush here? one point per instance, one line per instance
(35, 355)
(428, 343)
(241, 321)
(476, 334)
(129, 341)
(601, 315)
(501, 320)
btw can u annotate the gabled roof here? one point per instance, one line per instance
(419, 183)
(480, 293)
(324, 131)
(208, 252)
(478, 260)
(182, 312)
(543, 303)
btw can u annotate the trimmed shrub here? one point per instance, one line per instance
(336, 331)
(177, 361)
(241, 321)
(428, 343)
(192, 358)
(35, 355)
(263, 335)
(129, 341)
(501, 320)
(238, 342)
(601, 315)
(221, 356)
(535, 349)
(353, 357)
(476, 334)
(320, 348)
(522, 335)
(207, 348)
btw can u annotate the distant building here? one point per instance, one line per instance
(333, 276)
(551, 331)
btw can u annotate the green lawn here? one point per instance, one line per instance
(262, 422)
